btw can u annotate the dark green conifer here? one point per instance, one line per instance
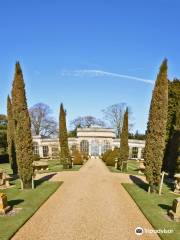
(23, 137)
(173, 101)
(124, 148)
(63, 139)
(174, 148)
(11, 137)
(156, 129)
(177, 168)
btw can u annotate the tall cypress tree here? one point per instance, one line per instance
(23, 137)
(174, 148)
(63, 138)
(11, 137)
(156, 129)
(177, 169)
(173, 101)
(124, 148)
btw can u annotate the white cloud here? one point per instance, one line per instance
(100, 73)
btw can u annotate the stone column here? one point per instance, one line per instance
(139, 152)
(50, 151)
(89, 149)
(41, 151)
(100, 149)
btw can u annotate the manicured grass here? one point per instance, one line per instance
(155, 207)
(6, 166)
(28, 200)
(53, 165)
(132, 168)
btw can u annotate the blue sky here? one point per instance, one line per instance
(56, 43)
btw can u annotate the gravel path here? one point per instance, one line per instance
(90, 205)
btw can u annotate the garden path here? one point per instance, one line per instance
(91, 204)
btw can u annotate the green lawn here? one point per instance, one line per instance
(28, 200)
(6, 166)
(132, 168)
(54, 166)
(155, 207)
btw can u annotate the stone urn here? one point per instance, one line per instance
(141, 167)
(4, 208)
(174, 213)
(177, 183)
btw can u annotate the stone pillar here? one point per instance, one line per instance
(100, 149)
(89, 149)
(116, 163)
(139, 152)
(41, 151)
(50, 151)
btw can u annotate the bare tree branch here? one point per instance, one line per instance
(41, 121)
(86, 121)
(114, 115)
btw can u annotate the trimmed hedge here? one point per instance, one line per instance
(105, 155)
(110, 155)
(78, 158)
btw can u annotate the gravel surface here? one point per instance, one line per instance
(90, 205)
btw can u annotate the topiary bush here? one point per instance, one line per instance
(78, 159)
(110, 156)
(105, 155)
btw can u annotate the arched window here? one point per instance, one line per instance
(35, 148)
(84, 147)
(105, 146)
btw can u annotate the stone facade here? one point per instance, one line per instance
(93, 141)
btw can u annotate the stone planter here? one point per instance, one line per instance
(141, 167)
(4, 208)
(177, 183)
(174, 213)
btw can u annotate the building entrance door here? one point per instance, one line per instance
(95, 148)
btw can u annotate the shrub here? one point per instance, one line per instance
(105, 155)
(110, 156)
(78, 159)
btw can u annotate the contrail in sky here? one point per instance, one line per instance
(100, 73)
